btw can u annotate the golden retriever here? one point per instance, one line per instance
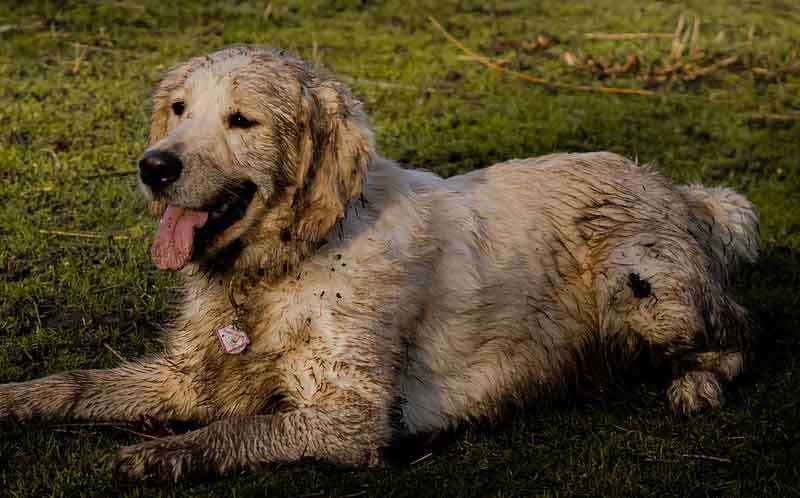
(334, 301)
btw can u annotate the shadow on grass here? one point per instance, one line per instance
(769, 290)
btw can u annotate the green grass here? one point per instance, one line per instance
(65, 132)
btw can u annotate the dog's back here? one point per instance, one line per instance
(542, 259)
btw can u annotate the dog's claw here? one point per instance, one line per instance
(159, 461)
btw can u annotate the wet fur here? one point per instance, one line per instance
(383, 302)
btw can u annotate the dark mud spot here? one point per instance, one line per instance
(641, 288)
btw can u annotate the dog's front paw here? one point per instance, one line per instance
(18, 403)
(7, 415)
(162, 460)
(5, 403)
(695, 391)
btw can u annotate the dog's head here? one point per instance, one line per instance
(253, 156)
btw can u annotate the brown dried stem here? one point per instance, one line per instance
(530, 78)
(83, 235)
(626, 36)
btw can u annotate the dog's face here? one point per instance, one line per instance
(249, 149)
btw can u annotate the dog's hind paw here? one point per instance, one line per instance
(694, 391)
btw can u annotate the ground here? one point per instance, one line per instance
(74, 85)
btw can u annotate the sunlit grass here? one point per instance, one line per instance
(74, 87)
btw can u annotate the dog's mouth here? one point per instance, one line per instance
(183, 233)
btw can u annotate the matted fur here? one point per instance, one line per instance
(382, 301)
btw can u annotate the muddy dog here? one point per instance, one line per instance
(334, 301)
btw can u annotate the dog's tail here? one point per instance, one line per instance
(730, 223)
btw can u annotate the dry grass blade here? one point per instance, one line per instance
(107, 50)
(83, 235)
(677, 46)
(383, 84)
(626, 36)
(774, 116)
(114, 352)
(315, 55)
(685, 39)
(704, 71)
(111, 174)
(80, 55)
(66, 428)
(530, 78)
(20, 27)
(695, 50)
(421, 459)
(135, 433)
(707, 457)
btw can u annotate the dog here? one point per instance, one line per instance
(334, 302)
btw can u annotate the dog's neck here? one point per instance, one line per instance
(277, 248)
(271, 253)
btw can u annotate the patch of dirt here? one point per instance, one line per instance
(15, 269)
(62, 318)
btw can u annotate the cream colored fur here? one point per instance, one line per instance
(383, 301)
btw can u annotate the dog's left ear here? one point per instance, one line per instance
(335, 151)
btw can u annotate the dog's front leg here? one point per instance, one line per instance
(336, 434)
(134, 390)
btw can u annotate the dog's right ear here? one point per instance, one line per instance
(172, 80)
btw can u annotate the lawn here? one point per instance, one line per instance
(722, 106)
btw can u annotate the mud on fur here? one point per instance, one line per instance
(452, 300)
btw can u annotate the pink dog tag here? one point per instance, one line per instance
(234, 340)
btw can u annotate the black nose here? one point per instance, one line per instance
(157, 168)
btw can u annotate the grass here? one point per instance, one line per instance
(74, 86)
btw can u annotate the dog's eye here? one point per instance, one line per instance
(236, 120)
(178, 107)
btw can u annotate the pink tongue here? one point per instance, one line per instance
(174, 241)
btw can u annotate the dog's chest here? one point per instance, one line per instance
(290, 360)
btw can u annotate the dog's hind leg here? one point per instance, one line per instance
(721, 352)
(701, 385)
(659, 290)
